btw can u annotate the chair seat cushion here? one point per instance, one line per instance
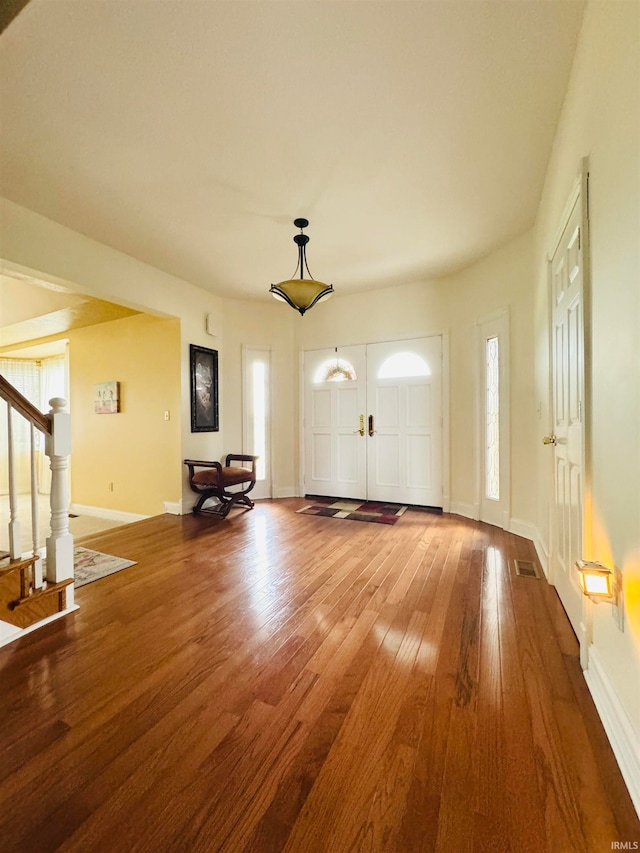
(230, 476)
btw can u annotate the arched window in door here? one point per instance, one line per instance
(335, 370)
(403, 364)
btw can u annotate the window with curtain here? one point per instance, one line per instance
(38, 381)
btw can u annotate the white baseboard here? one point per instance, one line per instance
(9, 633)
(529, 531)
(622, 736)
(173, 507)
(285, 492)
(542, 551)
(110, 514)
(463, 509)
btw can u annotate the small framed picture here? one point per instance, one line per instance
(204, 389)
(107, 398)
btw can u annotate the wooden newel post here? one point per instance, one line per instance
(58, 448)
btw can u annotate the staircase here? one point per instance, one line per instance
(21, 604)
(28, 600)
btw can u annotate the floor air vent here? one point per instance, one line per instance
(526, 569)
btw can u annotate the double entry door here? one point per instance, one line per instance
(373, 422)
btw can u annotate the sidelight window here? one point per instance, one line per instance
(492, 419)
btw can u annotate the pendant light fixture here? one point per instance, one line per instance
(301, 293)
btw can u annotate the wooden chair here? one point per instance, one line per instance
(229, 483)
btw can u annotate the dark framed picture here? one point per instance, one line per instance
(204, 389)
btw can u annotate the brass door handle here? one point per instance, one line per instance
(371, 429)
(550, 439)
(361, 429)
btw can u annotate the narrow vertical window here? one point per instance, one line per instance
(259, 417)
(492, 415)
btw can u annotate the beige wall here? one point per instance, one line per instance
(502, 280)
(268, 326)
(35, 246)
(136, 450)
(454, 304)
(601, 120)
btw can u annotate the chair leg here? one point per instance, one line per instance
(199, 503)
(225, 503)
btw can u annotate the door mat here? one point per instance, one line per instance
(381, 513)
(89, 566)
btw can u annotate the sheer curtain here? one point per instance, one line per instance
(23, 374)
(38, 381)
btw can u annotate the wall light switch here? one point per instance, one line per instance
(167, 415)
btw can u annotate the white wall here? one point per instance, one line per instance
(601, 121)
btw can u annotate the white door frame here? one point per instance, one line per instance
(579, 195)
(499, 321)
(446, 452)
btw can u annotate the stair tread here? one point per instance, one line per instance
(47, 589)
(8, 565)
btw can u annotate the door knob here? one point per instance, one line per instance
(361, 429)
(550, 439)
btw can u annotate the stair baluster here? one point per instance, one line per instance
(15, 550)
(35, 522)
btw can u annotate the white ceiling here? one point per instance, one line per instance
(190, 133)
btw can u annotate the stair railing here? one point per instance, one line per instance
(56, 427)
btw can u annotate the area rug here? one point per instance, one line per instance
(90, 565)
(381, 513)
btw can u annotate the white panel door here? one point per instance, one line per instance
(567, 366)
(404, 423)
(334, 418)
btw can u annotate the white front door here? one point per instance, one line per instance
(373, 422)
(566, 440)
(334, 417)
(404, 396)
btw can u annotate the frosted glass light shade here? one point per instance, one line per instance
(301, 293)
(596, 580)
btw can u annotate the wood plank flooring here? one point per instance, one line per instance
(285, 682)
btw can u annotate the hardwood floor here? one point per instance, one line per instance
(285, 682)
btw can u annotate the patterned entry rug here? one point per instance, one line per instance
(91, 565)
(380, 513)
